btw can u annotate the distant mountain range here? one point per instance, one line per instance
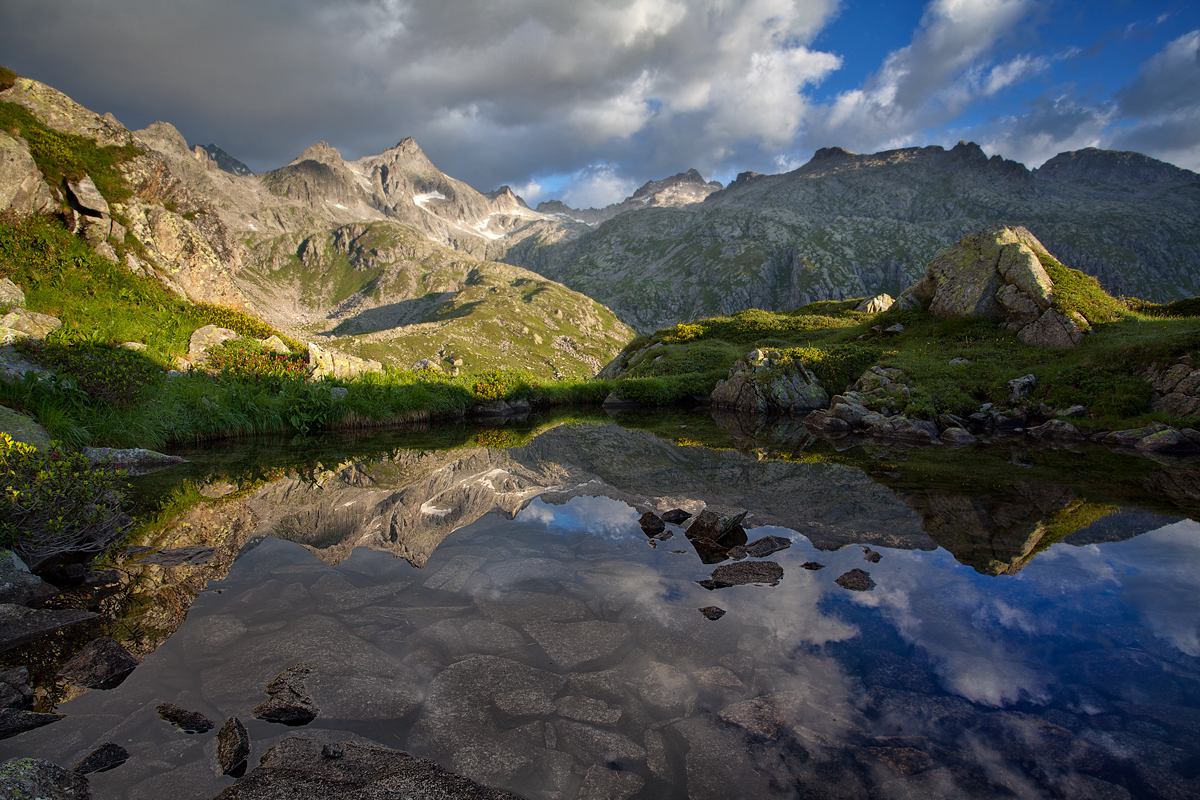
(847, 225)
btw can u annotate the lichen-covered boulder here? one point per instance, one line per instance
(876, 304)
(998, 274)
(21, 323)
(338, 365)
(22, 187)
(207, 337)
(767, 382)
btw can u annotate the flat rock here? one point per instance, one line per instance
(746, 572)
(138, 460)
(587, 709)
(295, 767)
(763, 717)
(19, 624)
(193, 555)
(767, 545)
(571, 645)
(102, 664)
(713, 525)
(668, 690)
(233, 746)
(1057, 430)
(17, 584)
(602, 783)
(38, 779)
(17, 720)
(812, 565)
(15, 691)
(856, 580)
(1168, 442)
(713, 612)
(30, 324)
(186, 721)
(21, 427)
(206, 338)
(957, 437)
(676, 516)
(290, 701)
(109, 755)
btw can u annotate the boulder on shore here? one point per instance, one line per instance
(767, 382)
(998, 274)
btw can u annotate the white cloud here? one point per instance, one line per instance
(596, 186)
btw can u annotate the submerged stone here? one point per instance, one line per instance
(102, 664)
(186, 721)
(233, 745)
(109, 755)
(745, 572)
(290, 702)
(856, 580)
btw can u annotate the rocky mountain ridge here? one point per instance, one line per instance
(682, 189)
(850, 225)
(258, 242)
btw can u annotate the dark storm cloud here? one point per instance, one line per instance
(493, 91)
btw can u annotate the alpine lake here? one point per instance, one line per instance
(1024, 621)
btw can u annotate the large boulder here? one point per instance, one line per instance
(876, 304)
(22, 187)
(998, 274)
(21, 323)
(206, 337)
(338, 365)
(767, 382)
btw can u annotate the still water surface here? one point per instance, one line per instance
(560, 653)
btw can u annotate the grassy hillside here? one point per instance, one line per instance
(381, 290)
(837, 343)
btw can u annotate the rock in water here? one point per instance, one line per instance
(713, 612)
(102, 664)
(744, 572)
(186, 721)
(812, 565)
(676, 516)
(856, 580)
(37, 778)
(109, 755)
(233, 746)
(766, 382)
(767, 545)
(290, 701)
(652, 523)
(294, 767)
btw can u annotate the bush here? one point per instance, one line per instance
(106, 374)
(57, 503)
(498, 384)
(243, 323)
(246, 358)
(836, 366)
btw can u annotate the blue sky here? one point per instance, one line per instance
(584, 101)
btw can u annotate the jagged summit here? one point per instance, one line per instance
(226, 162)
(321, 152)
(1112, 166)
(681, 189)
(505, 197)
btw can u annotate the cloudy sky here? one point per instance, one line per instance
(585, 100)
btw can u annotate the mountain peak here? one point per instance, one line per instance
(226, 162)
(507, 196)
(322, 152)
(828, 154)
(1112, 166)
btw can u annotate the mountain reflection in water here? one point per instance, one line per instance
(1032, 640)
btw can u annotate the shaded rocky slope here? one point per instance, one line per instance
(848, 225)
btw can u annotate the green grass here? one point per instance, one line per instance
(67, 157)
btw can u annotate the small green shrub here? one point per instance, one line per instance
(57, 503)
(7, 78)
(836, 366)
(240, 321)
(106, 374)
(498, 384)
(246, 358)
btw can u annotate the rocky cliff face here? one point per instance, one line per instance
(847, 225)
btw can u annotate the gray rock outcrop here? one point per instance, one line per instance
(290, 701)
(1176, 387)
(767, 382)
(39, 779)
(22, 187)
(876, 304)
(997, 274)
(338, 365)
